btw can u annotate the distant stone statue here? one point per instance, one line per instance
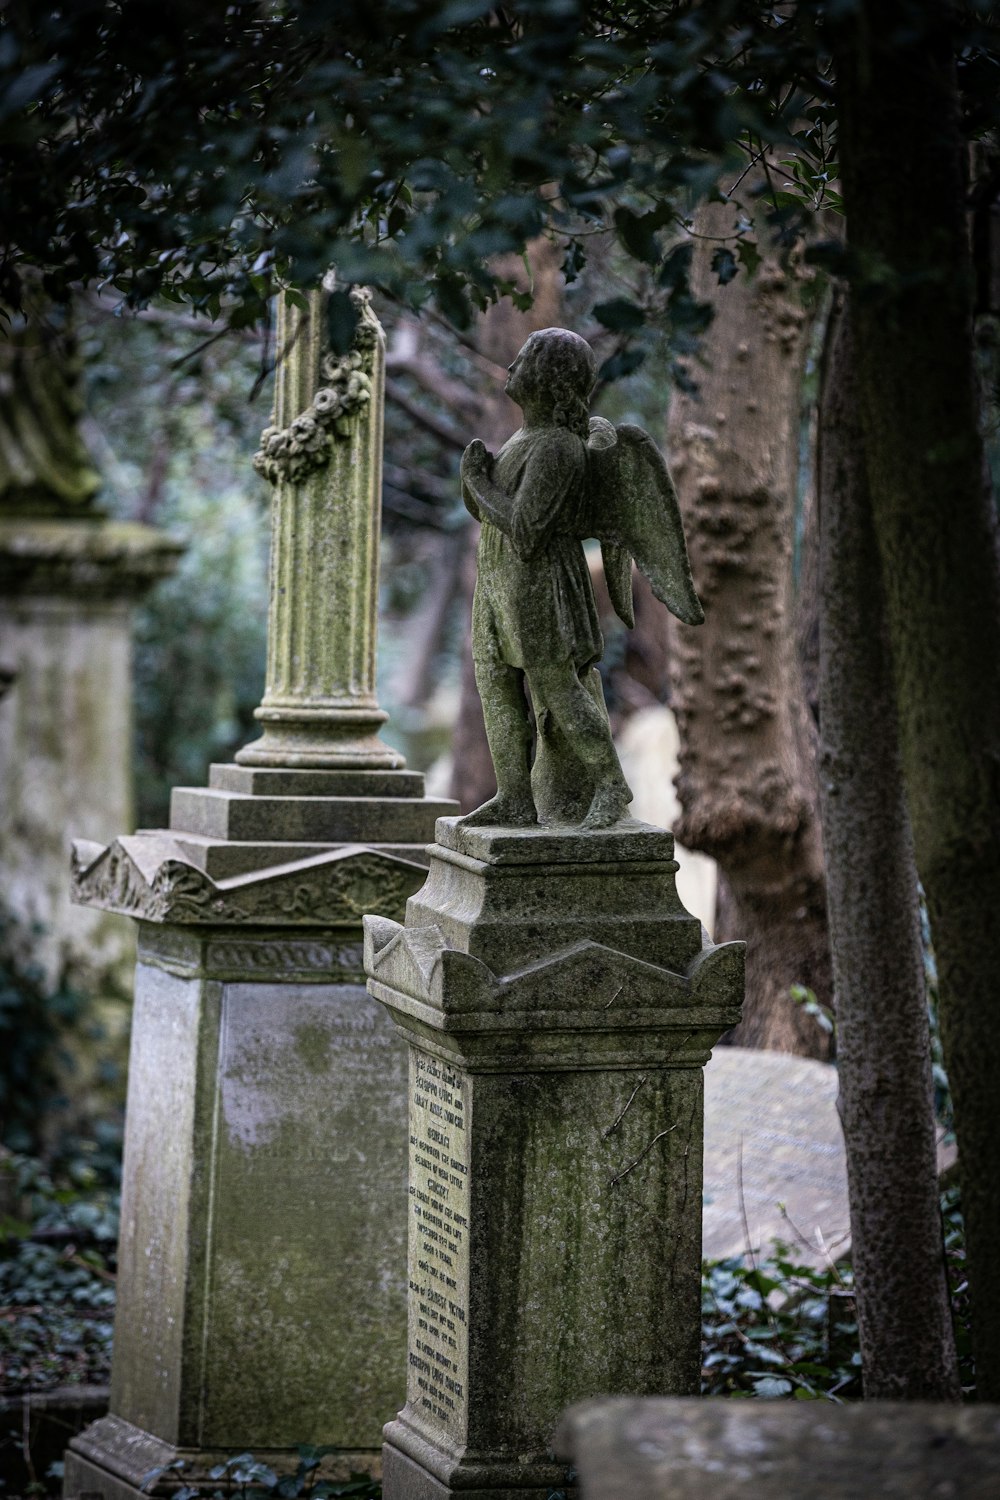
(563, 477)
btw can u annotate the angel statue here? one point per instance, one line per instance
(563, 477)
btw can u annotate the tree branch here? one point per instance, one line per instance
(439, 426)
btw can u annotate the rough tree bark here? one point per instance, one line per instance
(747, 782)
(502, 331)
(936, 531)
(883, 1041)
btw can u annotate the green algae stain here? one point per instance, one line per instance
(312, 1046)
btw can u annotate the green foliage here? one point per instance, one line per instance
(34, 1018)
(200, 643)
(243, 1478)
(57, 1267)
(175, 432)
(779, 1327)
(207, 156)
(821, 1014)
(202, 157)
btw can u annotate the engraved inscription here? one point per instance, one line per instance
(439, 1228)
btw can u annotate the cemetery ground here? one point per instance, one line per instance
(775, 1324)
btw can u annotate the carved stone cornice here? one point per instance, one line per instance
(94, 559)
(143, 876)
(588, 989)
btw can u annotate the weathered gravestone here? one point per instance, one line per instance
(69, 580)
(775, 1166)
(557, 999)
(720, 1449)
(262, 1296)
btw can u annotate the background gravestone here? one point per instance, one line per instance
(774, 1156)
(69, 578)
(720, 1449)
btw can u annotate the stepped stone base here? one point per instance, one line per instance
(112, 1459)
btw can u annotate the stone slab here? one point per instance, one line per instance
(773, 1137)
(627, 841)
(370, 820)
(719, 1449)
(267, 781)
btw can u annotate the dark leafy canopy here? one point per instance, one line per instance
(203, 153)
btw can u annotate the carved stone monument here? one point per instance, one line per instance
(559, 1006)
(558, 1001)
(69, 580)
(262, 1297)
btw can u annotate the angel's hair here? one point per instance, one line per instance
(564, 367)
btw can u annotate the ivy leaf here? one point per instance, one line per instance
(724, 264)
(621, 364)
(676, 266)
(772, 1385)
(750, 256)
(638, 233)
(620, 315)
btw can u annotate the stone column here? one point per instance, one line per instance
(262, 1267)
(324, 457)
(559, 1005)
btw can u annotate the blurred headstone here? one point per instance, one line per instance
(774, 1156)
(715, 1448)
(69, 578)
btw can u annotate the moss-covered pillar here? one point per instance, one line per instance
(262, 1265)
(559, 1005)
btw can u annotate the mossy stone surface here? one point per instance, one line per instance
(262, 1275)
(719, 1449)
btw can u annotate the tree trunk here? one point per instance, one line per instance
(747, 782)
(501, 333)
(936, 533)
(883, 1041)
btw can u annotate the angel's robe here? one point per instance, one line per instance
(534, 602)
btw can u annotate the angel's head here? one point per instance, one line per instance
(555, 373)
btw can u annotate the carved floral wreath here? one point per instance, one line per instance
(294, 451)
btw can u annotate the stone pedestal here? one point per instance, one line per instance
(559, 1006)
(262, 1295)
